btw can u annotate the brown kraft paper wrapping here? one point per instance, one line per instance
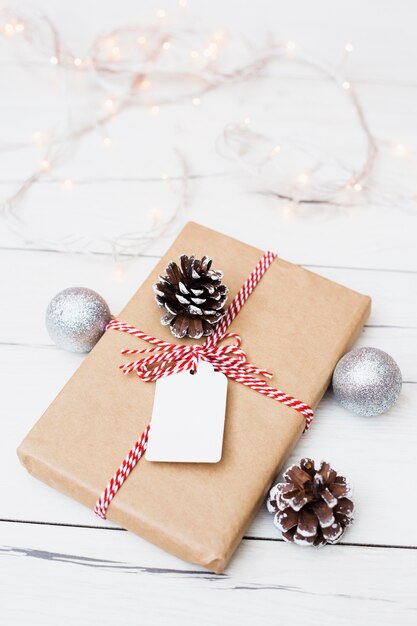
(296, 324)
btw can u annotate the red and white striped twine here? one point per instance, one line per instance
(166, 358)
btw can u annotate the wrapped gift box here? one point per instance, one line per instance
(296, 324)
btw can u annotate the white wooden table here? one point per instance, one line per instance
(58, 564)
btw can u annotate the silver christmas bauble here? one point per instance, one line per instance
(367, 381)
(76, 318)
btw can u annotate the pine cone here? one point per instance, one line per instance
(192, 295)
(311, 507)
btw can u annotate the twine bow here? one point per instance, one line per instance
(167, 358)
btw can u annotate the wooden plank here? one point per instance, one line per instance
(40, 275)
(358, 447)
(368, 235)
(94, 577)
(301, 22)
(374, 230)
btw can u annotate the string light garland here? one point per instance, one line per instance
(241, 142)
(257, 152)
(40, 34)
(156, 65)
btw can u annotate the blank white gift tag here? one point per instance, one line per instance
(188, 417)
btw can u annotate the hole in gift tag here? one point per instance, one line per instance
(185, 428)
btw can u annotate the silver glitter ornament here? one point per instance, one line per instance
(76, 318)
(367, 381)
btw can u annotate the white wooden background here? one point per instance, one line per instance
(58, 564)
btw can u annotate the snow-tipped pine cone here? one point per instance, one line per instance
(312, 506)
(192, 295)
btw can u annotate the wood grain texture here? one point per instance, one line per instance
(45, 273)
(68, 566)
(336, 435)
(263, 582)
